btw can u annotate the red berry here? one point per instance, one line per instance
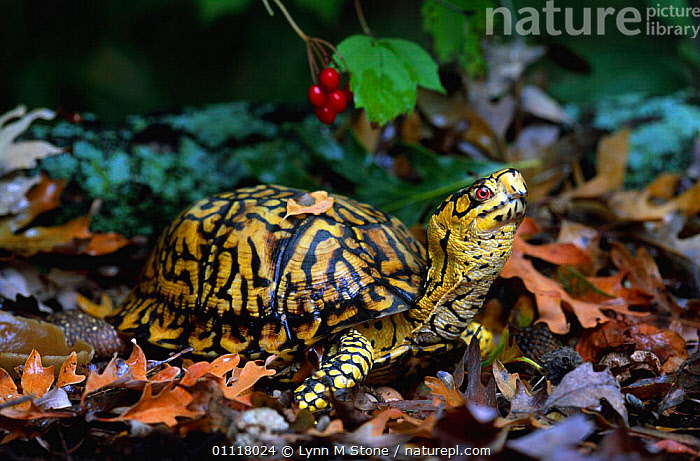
(325, 114)
(317, 97)
(329, 79)
(338, 100)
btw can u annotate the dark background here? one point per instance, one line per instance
(117, 57)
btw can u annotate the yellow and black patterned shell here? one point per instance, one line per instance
(232, 274)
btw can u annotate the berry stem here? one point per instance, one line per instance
(361, 18)
(291, 21)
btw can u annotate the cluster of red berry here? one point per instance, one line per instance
(327, 98)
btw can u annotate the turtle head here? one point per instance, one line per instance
(470, 238)
(491, 206)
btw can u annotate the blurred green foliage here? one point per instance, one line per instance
(119, 57)
(457, 28)
(148, 168)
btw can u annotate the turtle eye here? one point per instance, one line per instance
(483, 193)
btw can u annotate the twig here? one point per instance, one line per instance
(361, 18)
(291, 22)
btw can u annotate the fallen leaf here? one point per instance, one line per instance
(96, 380)
(194, 372)
(44, 239)
(101, 244)
(166, 374)
(163, 407)
(19, 336)
(451, 396)
(643, 273)
(583, 388)
(611, 164)
(458, 123)
(316, 203)
(54, 399)
(634, 205)
(671, 446)
(544, 442)
(246, 378)
(477, 393)
(538, 103)
(31, 411)
(550, 296)
(66, 374)
(36, 380)
(23, 154)
(8, 389)
(555, 253)
(523, 403)
(13, 190)
(223, 364)
(137, 363)
(505, 381)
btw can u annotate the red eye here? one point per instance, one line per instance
(483, 193)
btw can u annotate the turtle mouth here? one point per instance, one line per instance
(510, 210)
(513, 209)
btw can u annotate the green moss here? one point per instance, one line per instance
(663, 129)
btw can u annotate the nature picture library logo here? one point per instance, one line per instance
(652, 20)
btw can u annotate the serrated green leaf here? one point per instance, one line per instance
(417, 62)
(385, 74)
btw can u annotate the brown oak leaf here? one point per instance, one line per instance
(316, 203)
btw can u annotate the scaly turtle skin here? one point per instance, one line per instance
(232, 274)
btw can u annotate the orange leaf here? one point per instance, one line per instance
(97, 381)
(611, 163)
(555, 253)
(643, 273)
(44, 239)
(101, 244)
(66, 374)
(137, 363)
(43, 197)
(194, 372)
(36, 379)
(166, 374)
(30, 411)
(223, 364)
(8, 389)
(453, 399)
(163, 407)
(313, 202)
(550, 295)
(248, 376)
(377, 424)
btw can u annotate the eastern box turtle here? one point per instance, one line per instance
(234, 274)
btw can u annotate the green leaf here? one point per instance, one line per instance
(457, 27)
(385, 74)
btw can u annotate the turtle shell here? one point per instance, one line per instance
(233, 274)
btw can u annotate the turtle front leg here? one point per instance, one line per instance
(346, 364)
